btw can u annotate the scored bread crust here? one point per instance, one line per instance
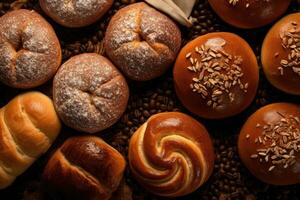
(142, 42)
(30, 53)
(75, 13)
(89, 93)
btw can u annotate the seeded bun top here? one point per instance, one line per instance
(281, 54)
(250, 13)
(269, 144)
(216, 75)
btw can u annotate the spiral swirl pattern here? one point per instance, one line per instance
(171, 154)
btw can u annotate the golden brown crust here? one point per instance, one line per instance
(273, 53)
(75, 13)
(30, 52)
(251, 140)
(85, 168)
(233, 96)
(89, 93)
(250, 13)
(171, 154)
(28, 126)
(142, 42)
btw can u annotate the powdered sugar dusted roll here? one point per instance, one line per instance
(171, 154)
(142, 42)
(75, 13)
(89, 93)
(30, 52)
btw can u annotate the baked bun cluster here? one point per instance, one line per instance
(142, 42)
(269, 144)
(30, 52)
(249, 13)
(171, 154)
(85, 168)
(89, 93)
(281, 54)
(75, 13)
(28, 126)
(216, 75)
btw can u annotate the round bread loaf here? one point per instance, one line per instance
(30, 52)
(171, 154)
(280, 54)
(216, 75)
(249, 13)
(85, 168)
(89, 93)
(75, 13)
(269, 144)
(142, 42)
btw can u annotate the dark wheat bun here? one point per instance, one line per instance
(269, 144)
(75, 13)
(85, 168)
(30, 52)
(250, 13)
(142, 42)
(89, 93)
(216, 75)
(281, 54)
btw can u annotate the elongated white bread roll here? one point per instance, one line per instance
(28, 126)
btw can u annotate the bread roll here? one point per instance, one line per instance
(171, 154)
(89, 93)
(28, 126)
(216, 75)
(280, 54)
(30, 52)
(269, 144)
(142, 42)
(75, 13)
(85, 168)
(249, 13)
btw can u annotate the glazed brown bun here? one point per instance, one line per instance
(75, 13)
(85, 168)
(30, 52)
(250, 13)
(281, 54)
(171, 154)
(28, 126)
(216, 75)
(269, 144)
(142, 42)
(89, 93)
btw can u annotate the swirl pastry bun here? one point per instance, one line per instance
(30, 52)
(89, 93)
(171, 154)
(85, 168)
(142, 42)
